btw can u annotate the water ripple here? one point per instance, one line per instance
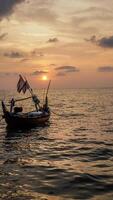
(72, 158)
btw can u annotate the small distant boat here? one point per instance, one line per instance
(15, 117)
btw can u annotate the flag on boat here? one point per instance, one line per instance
(25, 87)
(22, 85)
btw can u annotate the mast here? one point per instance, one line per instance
(46, 98)
(48, 88)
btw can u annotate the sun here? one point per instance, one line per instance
(44, 78)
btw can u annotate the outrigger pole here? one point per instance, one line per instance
(23, 99)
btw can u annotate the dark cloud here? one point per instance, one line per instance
(34, 10)
(40, 10)
(13, 54)
(53, 40)
(3, 35)
(7, 7)
(105, 69)
(105, 42)
(38, 73)
(67, 69)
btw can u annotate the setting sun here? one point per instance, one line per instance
(44, 78)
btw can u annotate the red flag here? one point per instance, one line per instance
(20, 84)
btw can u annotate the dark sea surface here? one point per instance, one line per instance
(71, 158)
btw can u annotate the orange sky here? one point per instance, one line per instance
(71, 42)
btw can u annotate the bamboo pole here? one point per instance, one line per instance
(23, 99)
(48, 88)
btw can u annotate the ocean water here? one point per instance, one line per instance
(71, 158)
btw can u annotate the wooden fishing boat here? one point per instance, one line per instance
(15, 117)
(18, 119)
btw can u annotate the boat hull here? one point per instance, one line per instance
(25, 121)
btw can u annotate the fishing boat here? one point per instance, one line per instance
(15, 117)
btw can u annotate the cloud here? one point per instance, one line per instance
(24, 59)
(36, 53)
(92, 39)
(41, 11)
(8, 74)
(7, 7)
(13, 54)
(64, 70)
(105, 69)
(60, 74)
(38, 73)
(52, 65)
(93, 14)
(31, 55)
(104, 42)
(3, 35)
(53, 40)
(24, 56)
(35, 73)
(67, 69)
(96, 13)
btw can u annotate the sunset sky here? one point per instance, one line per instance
(69, 41)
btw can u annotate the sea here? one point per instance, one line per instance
(69, 158)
